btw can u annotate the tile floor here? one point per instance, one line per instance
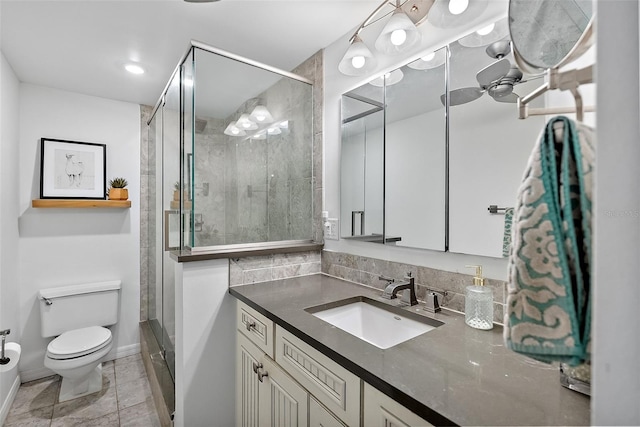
(125, 400)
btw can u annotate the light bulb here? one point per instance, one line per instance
(134, 69)
(456, 7)
(260, 118)
(429, 57)
(358, 61)
(235, 131)
(398, 37)
(486, 30)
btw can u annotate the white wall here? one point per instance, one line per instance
(60, 247)
(616, 372)
(9, 286)
(415, 180)
(335, 85)
(205, 344)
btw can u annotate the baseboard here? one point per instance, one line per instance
(6, 405)
(120, 352)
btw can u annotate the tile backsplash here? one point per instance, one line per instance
(244, 271)
(367, 271)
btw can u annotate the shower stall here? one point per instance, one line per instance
(230, 167)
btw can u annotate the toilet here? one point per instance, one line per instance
(78, 317)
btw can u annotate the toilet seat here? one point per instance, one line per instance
(79, 342)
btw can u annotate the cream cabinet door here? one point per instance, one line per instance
(321, 417)
(265, 395)
(283, 403)
(248, 356)
(382, 411)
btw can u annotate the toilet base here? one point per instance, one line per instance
(72, 389)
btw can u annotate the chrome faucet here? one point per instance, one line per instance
(393, 287)
(3, 360)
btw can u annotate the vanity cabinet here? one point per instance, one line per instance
(283, 381)
(321, 417)
(380, 410)
(266, 395)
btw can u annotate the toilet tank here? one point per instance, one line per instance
(79, 306)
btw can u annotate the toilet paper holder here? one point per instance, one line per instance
(4, 360)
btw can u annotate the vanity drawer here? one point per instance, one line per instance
(331, 384)
(256, 327)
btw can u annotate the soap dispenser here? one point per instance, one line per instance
(478, 306)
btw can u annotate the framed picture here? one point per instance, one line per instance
(72, 170)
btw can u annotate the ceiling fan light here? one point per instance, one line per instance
(398, 35)
(260, 114)
(357, 60)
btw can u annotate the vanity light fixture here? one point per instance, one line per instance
(274, 130)
(260, 114)
(245, 123)
(389, 78)
(233, 130)
(429, 61)
(456, 7)
(452, 14)
(398, 35)
(134, 69)
(486, 35)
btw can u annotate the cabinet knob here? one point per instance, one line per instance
(251, 325)
(256, 366)
(261, 375)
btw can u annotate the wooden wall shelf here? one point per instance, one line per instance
(80, 203)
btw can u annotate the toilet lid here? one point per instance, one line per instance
(79, 342)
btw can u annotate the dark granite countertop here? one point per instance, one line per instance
(453, 374)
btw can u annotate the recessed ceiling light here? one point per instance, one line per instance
(134, 69)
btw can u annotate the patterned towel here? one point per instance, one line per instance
(548, 312)
(506, 240)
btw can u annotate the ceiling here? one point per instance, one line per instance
(83, 45)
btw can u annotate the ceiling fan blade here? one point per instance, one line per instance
(512, 98)
(493, 72)
(462, 95)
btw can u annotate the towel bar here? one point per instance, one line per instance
(495, 209)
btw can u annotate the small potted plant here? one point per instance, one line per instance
(117, 190)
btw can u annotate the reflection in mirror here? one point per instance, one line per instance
(362, 176)
(251, 180)
(489, 145)
(415, 160)
(545, 32)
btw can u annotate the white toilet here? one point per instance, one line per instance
(77, 316)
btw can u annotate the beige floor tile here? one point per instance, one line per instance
(40, 417)
(36, 394)
(130, 370)
(133, 392)
(88, 407)
(109, 420)
(141, 415)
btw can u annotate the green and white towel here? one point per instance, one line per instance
(548, 312)
(506, 239)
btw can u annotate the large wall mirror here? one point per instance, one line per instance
(393, 157)
(394, 186)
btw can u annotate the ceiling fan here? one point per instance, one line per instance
(496, 79)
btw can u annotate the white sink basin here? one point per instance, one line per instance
(381, 325)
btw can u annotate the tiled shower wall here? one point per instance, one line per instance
(147, 178)
(260, 269)
(367, 271)
(251, 190)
